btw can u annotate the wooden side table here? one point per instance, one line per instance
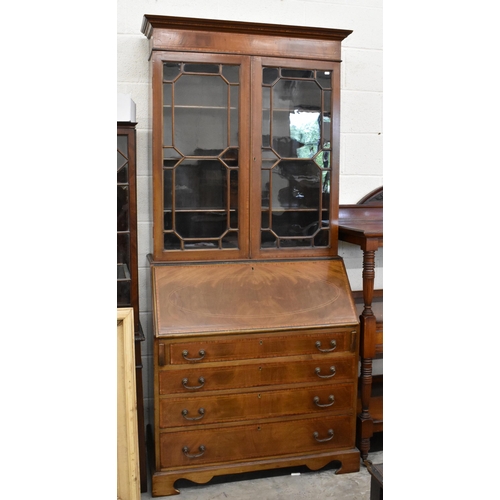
(362, 225)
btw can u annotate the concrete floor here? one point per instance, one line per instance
(288, 484)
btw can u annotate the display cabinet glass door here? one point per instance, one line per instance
(201, 155)
(123, 223)
(127, 273)
(297, 163)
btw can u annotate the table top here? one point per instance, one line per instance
(361, 221)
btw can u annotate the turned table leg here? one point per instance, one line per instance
(368, 324)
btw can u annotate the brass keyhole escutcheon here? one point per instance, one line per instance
(258, 428)
(258, 395)
(261, 342)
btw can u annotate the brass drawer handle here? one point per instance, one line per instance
(333, 343)
(330, 398)
(201, 411)
(201, 380)
(186, 352)
(185, 450)
(332, 370)
(330, 434)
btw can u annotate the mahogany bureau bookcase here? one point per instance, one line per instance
(255, 328)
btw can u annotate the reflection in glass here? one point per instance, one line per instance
(296, 184)
(305, 129)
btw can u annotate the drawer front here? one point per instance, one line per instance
(232, 443)
(255, 374)
(260, 346)
(195, 410)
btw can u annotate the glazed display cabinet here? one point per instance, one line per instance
(127, 266)
(256, 331)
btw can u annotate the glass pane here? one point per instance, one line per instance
(303, 242)
(266, 188)
(231, 73)
(233, 219)
(200, 132)
(269, 75)
(200, 224)
(296, 223)
(167, 220)
(122, 173)
(266, 98)
(200, 244)
(321, 239)
(201, 68)
(230, 240)
(123, 289)
(200, 184)
(266, 129)
(200, 91)
(171, 242)
(324, 78)
(297, 73)
(233, 191)
(123, 248)
(171, 70)
(167, 94)
(122, 152)
(296, 184)
(268, 240)
(234, 114)
(122, 141)
(123, 208)
(265, 219)
(327, 132)
(167, 189)
(327, 104)
(167, 126)
(291, 98)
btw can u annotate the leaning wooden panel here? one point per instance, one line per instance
(128, 440)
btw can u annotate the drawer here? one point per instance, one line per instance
(195, 410)
(211, 377)
(253, 346)
(255, 441)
